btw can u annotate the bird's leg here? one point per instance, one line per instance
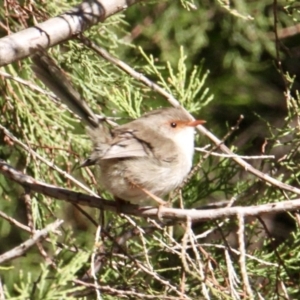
(155, 198)
(160, 202)
(151, 195)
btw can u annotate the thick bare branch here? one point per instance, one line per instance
(59, 29)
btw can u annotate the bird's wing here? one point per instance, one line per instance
(126, 143)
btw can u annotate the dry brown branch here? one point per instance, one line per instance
(283, 33)
(251, 257)
(14, 222)
(93, 262)
(199, 261)
(165, 212)
(252, 157)
(232, 276)
(242, 258)
(37, 236)
(125, 293)
(30, 85)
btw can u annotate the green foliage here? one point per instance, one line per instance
(220, 60)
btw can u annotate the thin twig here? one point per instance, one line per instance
(126, 293)
(262, 262)
(284, 290)
(281, 261)
(93, 263)
(232, 276)
(235, 155)
(199, 261)
(277, 46)
(126, 68)
(44, 160)
(109, 119)
(242, 259)
(14, 222)
(37, 236)
(31, 86)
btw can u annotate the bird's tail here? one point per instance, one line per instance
(57, 81)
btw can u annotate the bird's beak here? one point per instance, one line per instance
(195, 123)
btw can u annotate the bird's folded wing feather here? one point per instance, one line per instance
(126, 144)
(135, 143)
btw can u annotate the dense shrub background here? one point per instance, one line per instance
(236, 66)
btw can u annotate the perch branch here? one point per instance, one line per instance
(152, 212)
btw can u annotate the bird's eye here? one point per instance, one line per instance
(173, 125)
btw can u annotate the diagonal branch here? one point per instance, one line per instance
(37, 236)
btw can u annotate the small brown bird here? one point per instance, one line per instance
(140, 161)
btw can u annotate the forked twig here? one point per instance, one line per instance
(37, 236)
